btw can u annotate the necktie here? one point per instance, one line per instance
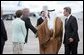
(66, 20)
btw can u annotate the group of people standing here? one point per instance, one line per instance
(49, 32)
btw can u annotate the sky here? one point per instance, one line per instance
(37, 6)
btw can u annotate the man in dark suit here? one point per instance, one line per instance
(3, 35)
(43, 16)
(41, 19)
(27, 21)
(71, 37)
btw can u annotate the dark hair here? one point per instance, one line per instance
(68, 9)
(41, 12)
(18, 13)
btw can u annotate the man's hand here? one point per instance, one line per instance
(36, 35)
(71, 39)
(51, 38)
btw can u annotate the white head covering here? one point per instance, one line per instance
(51, 20)
(45, 8)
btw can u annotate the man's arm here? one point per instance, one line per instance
(23, 29)
(74, 26)
(32, 27)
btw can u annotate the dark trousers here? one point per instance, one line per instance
(71, 48)
(2, 46)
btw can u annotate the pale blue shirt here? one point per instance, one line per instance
(18, 30)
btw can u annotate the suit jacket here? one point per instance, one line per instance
(71, 30)
(3, 32)
(28, 26)
(18, 30)
(39, 21)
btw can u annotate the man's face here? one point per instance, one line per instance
(26, 12)
(65, 12)
(43, 14)
(46, 13)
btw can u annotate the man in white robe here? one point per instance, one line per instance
(50, 34)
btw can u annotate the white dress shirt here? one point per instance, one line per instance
(68, 16)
